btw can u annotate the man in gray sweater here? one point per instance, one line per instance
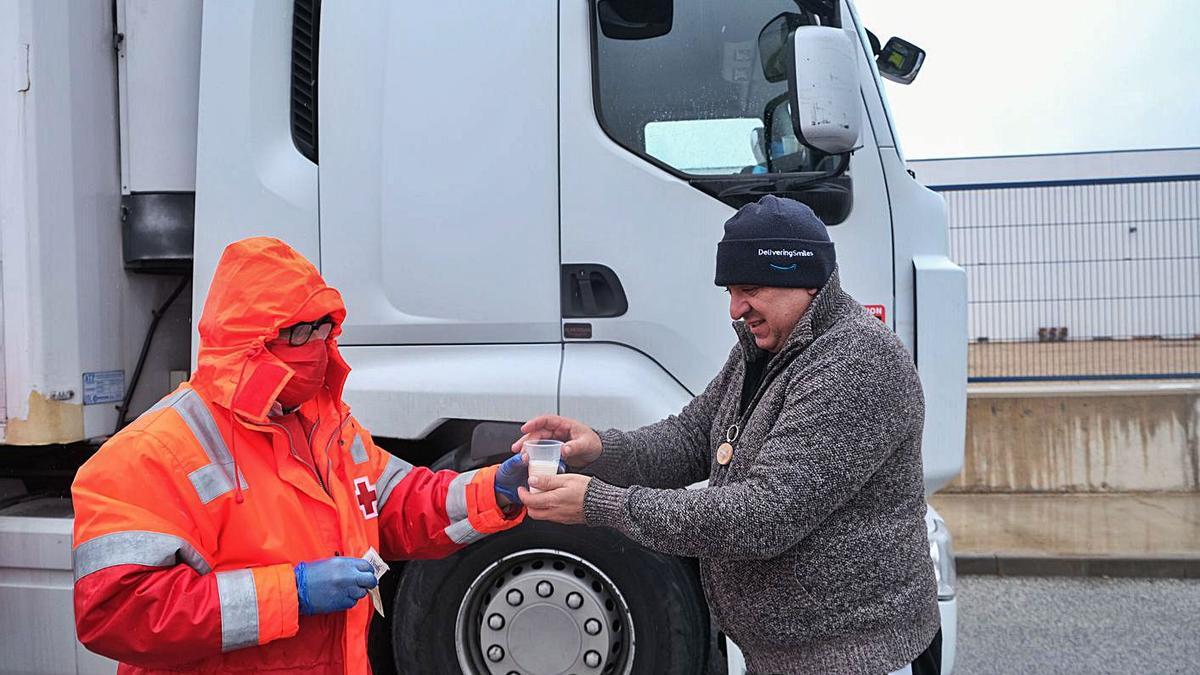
(811, 533)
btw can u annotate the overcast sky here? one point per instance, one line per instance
(1037, 76)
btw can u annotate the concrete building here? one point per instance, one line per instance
(1105, 244)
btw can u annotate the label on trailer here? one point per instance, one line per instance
(106, 386)
(877, 311)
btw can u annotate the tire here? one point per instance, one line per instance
(651, 605)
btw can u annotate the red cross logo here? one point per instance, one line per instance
(368, 501)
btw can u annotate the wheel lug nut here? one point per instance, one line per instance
(496, 652)
(592, 659)
(495, 622)
(592, 627)
(574, 600)
(515, 597)
(545, 589)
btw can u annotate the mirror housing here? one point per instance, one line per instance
(826, 103)
(900, 60)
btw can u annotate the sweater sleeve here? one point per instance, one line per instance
(834, 433)
(671, 453)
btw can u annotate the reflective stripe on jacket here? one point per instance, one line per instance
(189, 522)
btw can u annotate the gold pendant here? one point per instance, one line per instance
(724, 453)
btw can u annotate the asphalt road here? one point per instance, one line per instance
(1078, 625)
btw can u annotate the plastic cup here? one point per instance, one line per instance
(543, 458)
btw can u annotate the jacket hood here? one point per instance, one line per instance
(260, 286)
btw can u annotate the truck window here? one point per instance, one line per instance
(695, 100)
(706, 147)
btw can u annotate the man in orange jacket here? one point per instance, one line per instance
(224, 529)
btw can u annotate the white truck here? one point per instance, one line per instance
(520, 202)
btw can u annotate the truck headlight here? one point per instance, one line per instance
(942, 552)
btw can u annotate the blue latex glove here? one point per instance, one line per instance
(333, 584)
(514, 473)
(510, 475)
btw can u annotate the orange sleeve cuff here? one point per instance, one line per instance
(483, 512)
(278, 606)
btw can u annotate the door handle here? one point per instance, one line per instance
(591, 291)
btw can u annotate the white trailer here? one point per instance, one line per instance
(520, 203)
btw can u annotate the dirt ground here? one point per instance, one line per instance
(1116, 357)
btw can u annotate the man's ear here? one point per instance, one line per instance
(812, 292)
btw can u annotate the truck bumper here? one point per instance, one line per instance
(37, 622)
(949, 611)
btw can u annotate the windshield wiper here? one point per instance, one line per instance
(783, 183)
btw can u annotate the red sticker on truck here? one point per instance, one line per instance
(877, 311)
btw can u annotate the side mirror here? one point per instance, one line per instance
(782, 150)
(900, 60)
(826, 104)
(773, 42)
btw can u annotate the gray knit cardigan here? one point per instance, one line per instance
(812, 541)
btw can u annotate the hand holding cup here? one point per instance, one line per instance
(581, 446)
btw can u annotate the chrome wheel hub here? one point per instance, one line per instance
(544, 612)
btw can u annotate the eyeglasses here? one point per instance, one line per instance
(301, 333)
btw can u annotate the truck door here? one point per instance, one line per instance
(653, 130)
(438, 172)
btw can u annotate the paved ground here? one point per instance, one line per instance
(1125, 535)
(1066, 626)
(1084, 357)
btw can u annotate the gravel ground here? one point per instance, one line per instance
(1078, 625)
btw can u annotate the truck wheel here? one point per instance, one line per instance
(545, 599)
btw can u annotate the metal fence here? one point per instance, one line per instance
(1080, 280)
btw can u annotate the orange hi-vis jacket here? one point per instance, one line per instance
(189, 523)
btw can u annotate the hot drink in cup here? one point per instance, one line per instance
(543, 458)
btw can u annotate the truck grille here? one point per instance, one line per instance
(306, 31)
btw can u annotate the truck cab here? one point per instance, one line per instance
(520, 203)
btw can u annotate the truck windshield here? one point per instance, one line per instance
(696, 99)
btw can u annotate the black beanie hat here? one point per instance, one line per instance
(775, 242)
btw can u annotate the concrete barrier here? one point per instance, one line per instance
(1082, 438)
